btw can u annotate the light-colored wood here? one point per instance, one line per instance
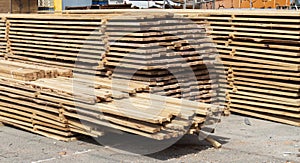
(206, 137)
(266, 96)
(280, 119)
(254, 45)
(262, 107)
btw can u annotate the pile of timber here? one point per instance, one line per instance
(55, 40)
(172, 55)
(260, 50)
(54, 108)
(48, 100)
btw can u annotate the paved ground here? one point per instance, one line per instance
(262, 141)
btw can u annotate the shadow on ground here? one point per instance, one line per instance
(189, 144)
(160, 150)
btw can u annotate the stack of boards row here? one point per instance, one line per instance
(51, 107)
(65, 75)
(260, 51)
(172, 55)
(65, 42)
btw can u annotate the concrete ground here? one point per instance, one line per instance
(261, 141)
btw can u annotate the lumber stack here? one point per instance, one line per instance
(64, 42)
(121, 69)
(38, 106)
(261, 53)
(133, 83)
(160, 43)
(57, 111)
(171, 54)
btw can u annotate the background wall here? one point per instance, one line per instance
(4, 6)
(18, 6)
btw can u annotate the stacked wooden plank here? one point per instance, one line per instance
(26, 72)
(60, 111)
(2, 37)
(261, 53)
(66, 42)
(38, 105)
(173, 55)
(42, 100)
(83, 41)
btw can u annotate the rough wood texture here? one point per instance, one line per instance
(109, 88)
(48, 109)
(27, 72)
(260, 51)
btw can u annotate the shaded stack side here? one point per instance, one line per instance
(172, 54)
